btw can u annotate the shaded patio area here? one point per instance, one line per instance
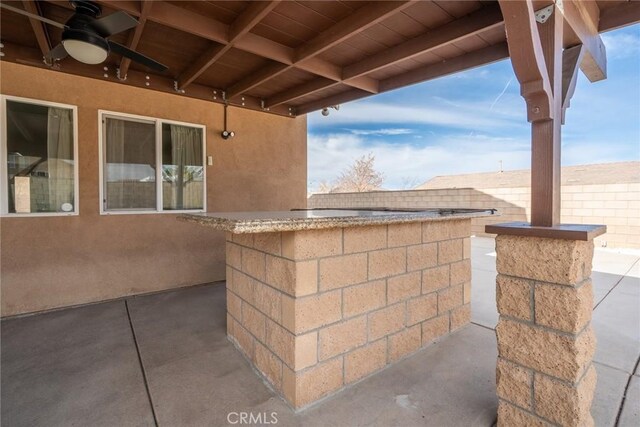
(164, 359)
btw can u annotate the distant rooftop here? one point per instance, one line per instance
(602, 173)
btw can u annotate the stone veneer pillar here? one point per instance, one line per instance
(317, 310)
(546, 343)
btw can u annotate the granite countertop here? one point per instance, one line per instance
(274, 221)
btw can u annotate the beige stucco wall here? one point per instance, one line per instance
(51, 262)
(615, 205)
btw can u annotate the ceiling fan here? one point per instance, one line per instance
(85, 37)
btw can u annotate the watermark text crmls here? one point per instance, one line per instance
(249, 418)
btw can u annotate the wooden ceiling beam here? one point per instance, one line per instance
(31, 57)
(615, 17)
(582, 17)
(39, 28)
(464, 62)
(340, 98)
(134, 37)
(484, 19)
(182, 19)
(363, 18)
(254, 79)
(474, 23)
(248, 19)
(299, 91)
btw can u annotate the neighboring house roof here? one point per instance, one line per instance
(602, 173)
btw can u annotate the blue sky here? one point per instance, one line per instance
(470, 121)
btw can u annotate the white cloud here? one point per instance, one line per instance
(388, 131)
(328, 155)
(435, 111)
(622, 45)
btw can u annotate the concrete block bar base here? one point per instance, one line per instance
(315, 310)
(546, 343)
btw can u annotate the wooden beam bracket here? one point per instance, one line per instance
(527, 56)
(582, 17)
(571, 58)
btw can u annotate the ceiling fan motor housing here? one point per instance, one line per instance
(86, 8)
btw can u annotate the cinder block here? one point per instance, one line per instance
(403, 287)
(342, 337)
(514, 383)
(386, 321)
(387, 262)
(365, 360)
(405, 234)
(308, 386)
(449, 298)
(269, 365)
(301, 245)
(564, 404)
(435, 328)
(306, 313)
(268, 242)
(404, 342)
(253, 263)
(566, 262)
(509, 416)
(422, 256)
(435, 278)
(564, 308)
(460, 272)
(253, 321)
(513, 297)
(364, 298)
(558, 355)
(345, 270)
(449, 251)
(460, 316)
(422, 308)
(234, 255)
(364, 239)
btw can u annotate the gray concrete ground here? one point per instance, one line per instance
(164, 359)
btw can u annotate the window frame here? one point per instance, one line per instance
(4, 181)
(158, 122)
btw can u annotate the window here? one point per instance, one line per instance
(38, 158)
(151, 165)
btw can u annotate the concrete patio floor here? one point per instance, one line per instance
(164, 359)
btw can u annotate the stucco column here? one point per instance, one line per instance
(545, 340)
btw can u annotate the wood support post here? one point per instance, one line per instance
(545, 134)
(547, 74)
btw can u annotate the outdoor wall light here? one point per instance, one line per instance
(85, 47)
(325, 110)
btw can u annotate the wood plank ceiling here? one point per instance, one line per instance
(285, 57)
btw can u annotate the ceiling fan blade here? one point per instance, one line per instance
(115, 23)
(137, 57)
(57, 53)
(33, 16)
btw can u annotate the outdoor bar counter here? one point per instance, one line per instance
(319, 299)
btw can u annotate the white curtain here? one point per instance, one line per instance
(114, 190)
(186, 146)
(60, 161)
(186, 150)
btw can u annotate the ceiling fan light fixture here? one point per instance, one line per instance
(85, 47)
